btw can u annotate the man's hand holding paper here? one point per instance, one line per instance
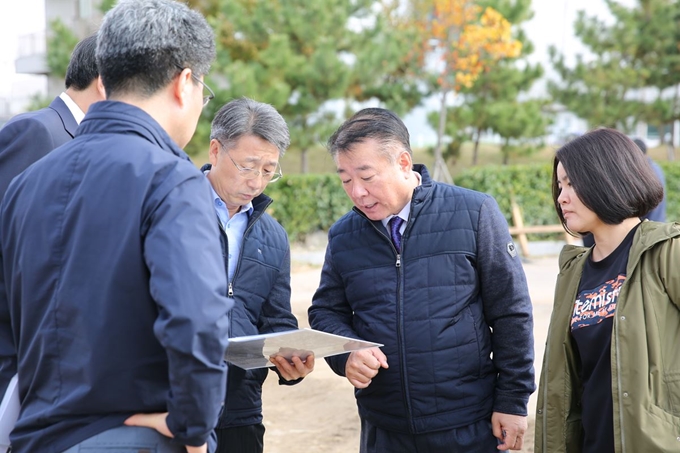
(293, 364)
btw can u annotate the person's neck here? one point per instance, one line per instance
(234, 211)
(231, 210)
(83, 98)
(160, 107)
(609, 237)
(415, 179)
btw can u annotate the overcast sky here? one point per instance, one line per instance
(17, 18)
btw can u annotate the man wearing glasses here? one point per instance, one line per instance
(113, 302)
(246, 141)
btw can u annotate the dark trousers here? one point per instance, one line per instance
(241, 439)
(475, 438)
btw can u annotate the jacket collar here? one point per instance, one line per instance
(70, 124)
(647, 235)
(421, 192)
(114, 117)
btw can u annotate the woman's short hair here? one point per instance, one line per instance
(610, 175)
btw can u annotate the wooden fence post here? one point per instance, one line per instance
(519, 224)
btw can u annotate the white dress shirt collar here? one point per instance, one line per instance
(73, 107)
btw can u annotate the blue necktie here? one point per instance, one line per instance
(395, 224)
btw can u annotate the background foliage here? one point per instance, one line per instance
(319, 61)
(304, 204)
(307, 203)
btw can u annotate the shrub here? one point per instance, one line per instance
(304, 204)
(529, 184)
(307, 203)
(671, 171)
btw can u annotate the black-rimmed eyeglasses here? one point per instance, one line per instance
(207, 98)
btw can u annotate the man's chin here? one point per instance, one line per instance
(372, 214)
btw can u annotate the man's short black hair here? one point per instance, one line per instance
(640, 144)
(378, 124)
(82, 69)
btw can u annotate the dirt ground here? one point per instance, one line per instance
(319, 415)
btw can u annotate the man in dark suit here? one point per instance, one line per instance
(29, 136)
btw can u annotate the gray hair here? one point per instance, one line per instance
(143, 44)
(247, 117)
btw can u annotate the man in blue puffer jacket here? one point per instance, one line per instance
(440, 286)
(246, 141)
(113, 306)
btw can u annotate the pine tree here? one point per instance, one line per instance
(298, 55)
(494, 97)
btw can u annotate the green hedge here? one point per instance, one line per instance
(671, 171)
(304, 204)
(530, 185)
(308, 203)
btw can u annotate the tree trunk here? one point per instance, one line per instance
(671, 145)
(475, 149)
(671, 148)
(440, 172)
(662, 136)
(506, 152)
(304, 164)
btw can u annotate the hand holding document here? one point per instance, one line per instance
(255, 351)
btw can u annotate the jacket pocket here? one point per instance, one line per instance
(655, 430)
(672, 381)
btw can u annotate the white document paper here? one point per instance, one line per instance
(9, 412)
(254, 351)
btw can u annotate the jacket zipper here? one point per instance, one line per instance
(618, 367)
(400, 312)
(256, 216)
(544, 415)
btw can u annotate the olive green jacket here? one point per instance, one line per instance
(645, 351)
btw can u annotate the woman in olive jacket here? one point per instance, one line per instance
(610, 381)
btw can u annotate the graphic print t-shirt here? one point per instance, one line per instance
(591, 327)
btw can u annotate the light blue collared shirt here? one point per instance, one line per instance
(235, 228)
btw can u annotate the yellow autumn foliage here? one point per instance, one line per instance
(470, 39)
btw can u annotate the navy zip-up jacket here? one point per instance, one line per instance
(456, 294)
(112, 289)
(261, 293)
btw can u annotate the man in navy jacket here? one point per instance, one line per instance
(113, 300)
(430, 271)
(246, 141)
(29, 136)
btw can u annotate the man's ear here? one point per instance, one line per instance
(183, 86)
(214, 151)
(100, 87)
(405, 162)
